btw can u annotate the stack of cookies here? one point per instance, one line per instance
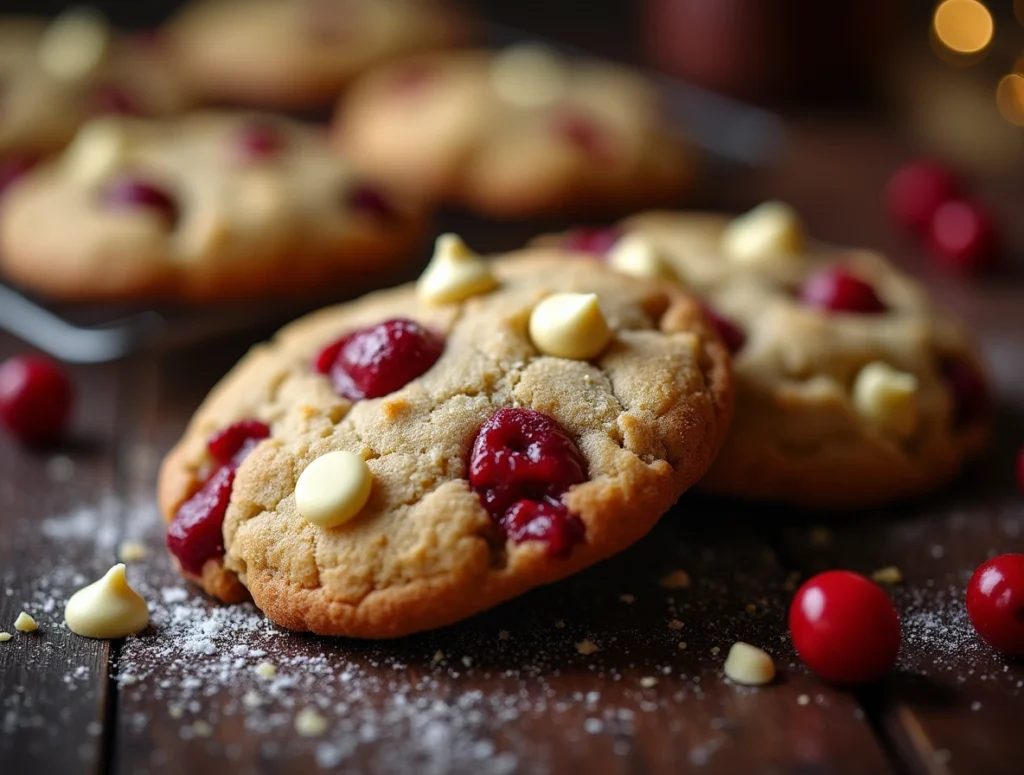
(406, 460)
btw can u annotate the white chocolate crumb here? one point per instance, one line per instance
(682, 645)
(675, 624)
(648, 681)
(309, 723)
(454, 274)
(587, 647)
(108, 608)
(560, 624)
(132, 551)
(887, 398)
(175, 711)
(570, 325)
(529, 75)
(333, 489)
(677, 579)
(715, 651)
(252, 700)
(888, 575)
(636, 256)
(266, 670)
(201, 728)
(749, 665)
(438, 656)
(803, 699)
(628, 599)
(5, 636)
(25, 623)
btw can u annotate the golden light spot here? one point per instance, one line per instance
(1010, 98)
(964, 26)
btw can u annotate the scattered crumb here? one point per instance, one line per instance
(309, 723)
(25, 623)
(560, 624)
(675, 624)
(715, 650)
(751, 608)
(438, 656)
(682, 645)
(627, 599)
(803, 699)
(132, 551)
(467, 661)
(586, 647)
(252, 700)
(503, 635)
(888, 575)
(749, 665)
(266, 670)
(677, 579)
(4, 637)
(648, 681)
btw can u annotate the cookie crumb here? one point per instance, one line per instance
(751, 608)
(803, 699)
(560, 624)
(675, 624)
(25, 623)
(628, 599)
(888, 575)
(682, 645)
(309, 723)
(820, 536)
(132, 551)
(749, 665)
(503, 635)
(4, 637)
(266, 670)
(677, 579)
(648, 681)
(438, 656)
(586, 647)
(715, 650)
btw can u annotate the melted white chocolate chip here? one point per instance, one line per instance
(529, 75)
(570, 325)
(98, 148)
(74, 45)
(455, 273)
(635, 255)
(333, 488)
(749, 665)
(770, 232)
(108, 608)
(25, 623)
(887, 398)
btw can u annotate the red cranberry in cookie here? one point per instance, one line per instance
(129, 192)
(231, 445)
(371, 202)
(595, 240)
(259, 140)
(836, 289)
(35, 399)
(581, 132)
(380, 359)
(520, 464)
(732, 335)
(971, 401)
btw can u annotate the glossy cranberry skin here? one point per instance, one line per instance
(231, 445)
(195, 535)
(732, 335)
(597, 241)
(971, 401)
(520, 464)
(961, 236)
(845, 628)
(995, 603)
(838, 290)
(128, 192)
(35, 399)
(371, 202)
(916, 191)
(381, 359)
(13, 169)
(259, 140)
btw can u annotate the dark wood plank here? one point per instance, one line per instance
(58, 528)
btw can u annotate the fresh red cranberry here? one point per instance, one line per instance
(916, 191)
(113, 99)
(961, 235)
(259, 140)
(13, 169)
(845, 628)
(520, 464)
(971, 401)
(231, 445)
(839, 290)
(375, 361)
(35, 399)
(195, 535)
(995, 603)
(597, 241)
(129, 192)
(732, 335)
(581, 132)
(371, 202)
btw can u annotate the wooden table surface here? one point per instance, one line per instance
(510, 691)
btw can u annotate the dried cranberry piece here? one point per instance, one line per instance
(839, 290)
(597, 241)
(371, 202)
(231, 445)
(130, 192)
(195, 535)
(583, 133)
(732, 335)
(113, 99)
(520, 465)
(381, 359)
(971, 400)
(259, 140)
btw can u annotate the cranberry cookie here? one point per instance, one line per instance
(852, 390)
(56, 76)
(299, 53)
(404, 461)
(207, 207)
(522, 132)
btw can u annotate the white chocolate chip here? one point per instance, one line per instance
(570, 325)
(768, 233)
(108, 608)
(749, 665)
(635, 255)
(309, 723)
(887, 398)
(4, 637)
(98, 148)
(74, 45)
(454, 273)
(333, 488)
(132, 551)
(265, 670)
(25, 623)
(529, 76)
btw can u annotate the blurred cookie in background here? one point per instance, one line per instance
(300, 53)
(518, 133)
(207, 207)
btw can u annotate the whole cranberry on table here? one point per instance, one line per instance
(916, 190)
(995, 603)
(35, 399)
(845, 628)
(962, 236)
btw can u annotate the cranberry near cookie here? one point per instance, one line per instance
(518, 133)
(404, 461)
(852, 389)
(211, 206)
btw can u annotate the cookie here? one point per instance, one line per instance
(519, 133)
(299, 53)
(852, 390)
(211, 206)
(404, 461)
(57, 75)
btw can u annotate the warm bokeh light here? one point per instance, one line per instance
(964, 26)
(1010, 98)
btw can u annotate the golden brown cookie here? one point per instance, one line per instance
(207, 207)
(518, 133)
(852, 389)
(407, 460)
